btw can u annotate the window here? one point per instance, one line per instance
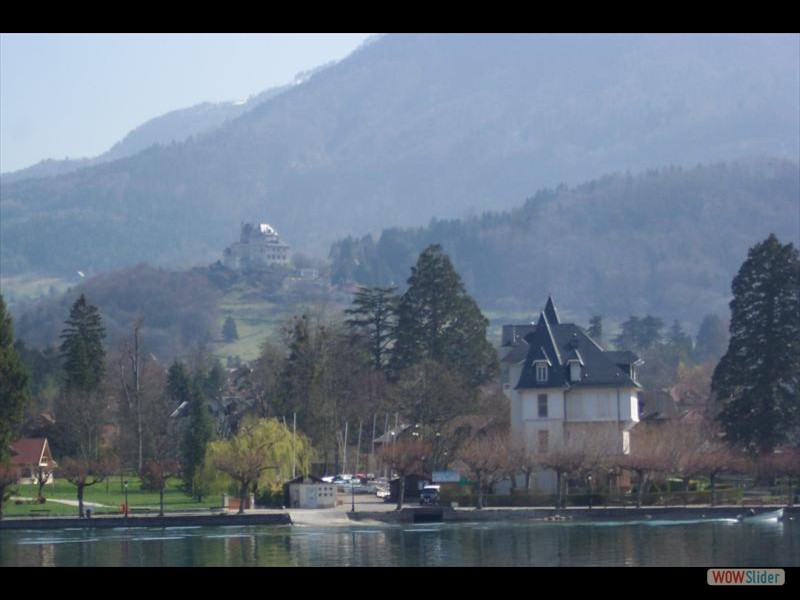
(542, 405)
(541, 372)
(575, 371)
(542, 440)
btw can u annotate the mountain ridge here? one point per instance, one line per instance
(412, 127)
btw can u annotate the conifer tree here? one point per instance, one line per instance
(757, 381)
(13, 385)
(82, 348)
(438, 320)
(372, 317)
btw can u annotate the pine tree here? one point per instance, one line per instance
(711, 340)
(229, 331)
(196, 430)
(82, 349)
(373, 318)
(679, 343)
(81, 406)
(438, 320)
(13, 385)
(595, 330)
(757, 381)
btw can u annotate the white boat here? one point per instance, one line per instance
(772, 516)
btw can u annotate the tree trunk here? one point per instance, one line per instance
(161, 500)
(640, 491)
(80, 501)
(479, 505)
(713, 478)
(558, 489)
(40, 481)
(402, 494)
(242, 497)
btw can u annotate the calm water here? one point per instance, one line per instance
(708, 543)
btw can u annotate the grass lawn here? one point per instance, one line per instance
(109, 493)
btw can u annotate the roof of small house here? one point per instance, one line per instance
(30, 451)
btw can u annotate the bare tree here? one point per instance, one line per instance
(130, 381)
(85, 472)
(8, 484)
(486, 461)
(405, 457)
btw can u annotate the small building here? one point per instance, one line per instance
(33, 461)
(259, 245)
(414, 485)
(309, 492)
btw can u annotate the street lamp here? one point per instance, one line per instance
(352, 496)
(590, 491)
(125, 487)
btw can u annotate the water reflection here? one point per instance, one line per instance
(708, 543)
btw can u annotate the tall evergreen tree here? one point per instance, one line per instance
(13, 385)
(373, 318)
(712, 339)
(757, 381)
(82, 347)
(196, 429)
(595, 330)
(679, 343)
(229, 331)
(438, 320)
(81, 406)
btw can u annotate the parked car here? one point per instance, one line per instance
(429, 495)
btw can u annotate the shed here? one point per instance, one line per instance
(309, 492)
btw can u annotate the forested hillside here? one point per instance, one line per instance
(664, 242)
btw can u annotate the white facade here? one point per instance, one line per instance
(312, 495)
(258, 245)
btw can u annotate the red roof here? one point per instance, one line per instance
(29, 451)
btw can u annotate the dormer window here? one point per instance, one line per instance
(541, 372)
(574, 371)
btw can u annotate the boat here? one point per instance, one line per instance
(772, 516)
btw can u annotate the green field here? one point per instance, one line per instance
(31, 287)
(257, 319)
(110, 494)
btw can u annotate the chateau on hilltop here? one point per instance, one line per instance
(258, 246)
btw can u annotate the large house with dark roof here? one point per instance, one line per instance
(562, 386)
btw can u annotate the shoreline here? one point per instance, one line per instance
(408, 515)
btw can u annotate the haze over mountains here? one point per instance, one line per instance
(412, 127)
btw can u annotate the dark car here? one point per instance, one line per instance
(429, 495)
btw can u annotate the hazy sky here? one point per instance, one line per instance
(71, 95)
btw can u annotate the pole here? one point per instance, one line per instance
(294, 450)
(358, 446)
(125, 486)
(344, 449)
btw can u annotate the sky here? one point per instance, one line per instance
(76, 95)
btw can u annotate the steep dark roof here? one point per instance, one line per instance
(513, 334)
(550, 312)
(514, 354)
(560, 343)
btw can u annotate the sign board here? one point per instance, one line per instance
(446, 477)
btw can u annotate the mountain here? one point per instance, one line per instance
(665, 242)
(411, 127)
(174, 126)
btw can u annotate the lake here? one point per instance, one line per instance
(512, 543)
